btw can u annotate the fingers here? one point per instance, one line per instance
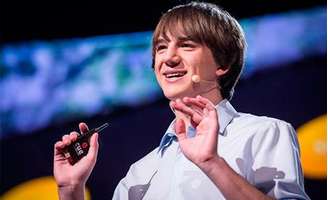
(191, 105)
(58, 147)
(180, 129)
(209, 109)
(197, 108)
(58, 153)
(73, 136)
(66, 140)
(204, 100)
(194, 102)
(194, 113)
(208, 106)
(83, 127)
(179, 105)
(69, 138)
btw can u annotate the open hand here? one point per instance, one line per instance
(203, 115)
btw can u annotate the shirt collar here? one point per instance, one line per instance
(226, 113)
(167, 139)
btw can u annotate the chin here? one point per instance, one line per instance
(175, 95)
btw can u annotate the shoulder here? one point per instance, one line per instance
(141, 170)
(263, 128)
(145, 166)
(267, 132)
(258, 124)
(148, 159)
(250, 120)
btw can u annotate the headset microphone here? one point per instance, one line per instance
(195, 78)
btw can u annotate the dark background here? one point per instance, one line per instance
(134, 132)
(21, 21)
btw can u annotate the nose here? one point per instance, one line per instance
(172, 58)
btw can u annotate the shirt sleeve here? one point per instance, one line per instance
(276, 168)
(121, 191)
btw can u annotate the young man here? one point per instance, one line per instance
(210, 151)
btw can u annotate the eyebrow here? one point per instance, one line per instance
(184, 38)
(163, 39)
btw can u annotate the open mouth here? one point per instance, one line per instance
(174, 74)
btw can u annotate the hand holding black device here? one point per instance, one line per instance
(79, 148)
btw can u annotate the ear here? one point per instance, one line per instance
(221, 71)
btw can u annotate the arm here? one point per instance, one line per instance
(71, 179)
(202, 149)
(231, 184)
(71, 192)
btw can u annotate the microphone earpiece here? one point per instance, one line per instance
(195, 78)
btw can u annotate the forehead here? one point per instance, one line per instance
(178, 34)
(167, 37)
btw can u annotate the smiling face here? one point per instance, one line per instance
(177, 59)
(209, 27)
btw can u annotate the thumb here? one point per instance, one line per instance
(180, 129)
(94, 146)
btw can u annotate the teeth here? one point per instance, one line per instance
(177, 74)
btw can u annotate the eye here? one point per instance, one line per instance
(160, 47)
(188, 45)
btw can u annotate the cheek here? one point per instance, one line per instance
(157, 67)
(193, 60)
(157, 58)
(210, 69)
(157, 75)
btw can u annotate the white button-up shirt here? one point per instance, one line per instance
(263, 150)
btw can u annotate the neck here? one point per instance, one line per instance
(208, 89)
(214, 95)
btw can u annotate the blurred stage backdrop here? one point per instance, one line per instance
(50, 81)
